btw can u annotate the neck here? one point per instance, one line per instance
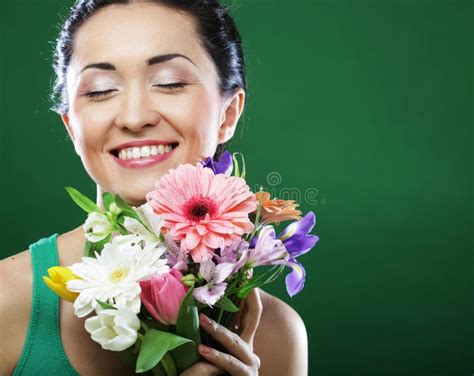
(99, 201)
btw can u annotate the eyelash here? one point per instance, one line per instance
(97, 94)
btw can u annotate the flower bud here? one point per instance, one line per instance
(114, 209)
(97, 227)
(114, 329)
(57, 280)
(189, 280)
(162, 296)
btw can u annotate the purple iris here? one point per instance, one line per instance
(297, 242)
(223, 166)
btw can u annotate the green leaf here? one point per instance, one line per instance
(187, 325)
(236, 165)
(226, 304)
(154, 346)
(168, 364)
(82, 201)
(158, 370)
(108, 199)
(260, 280)
(90, 247)
(105, 305)
(128, 356)
(87, 249)
(242, 175)
(120, 220)
(152, 323)
(127, 210)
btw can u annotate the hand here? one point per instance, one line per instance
(241, 359)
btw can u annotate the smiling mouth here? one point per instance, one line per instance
(140, 152)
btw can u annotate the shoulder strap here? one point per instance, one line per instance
(43, 350)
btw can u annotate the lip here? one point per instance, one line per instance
(144, 162)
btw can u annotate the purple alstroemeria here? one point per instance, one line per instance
(223, 166)
(267, 250)
(297, 241)
(176, 257)
(215, 275)
(233, 253)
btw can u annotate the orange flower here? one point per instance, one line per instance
(277, 210)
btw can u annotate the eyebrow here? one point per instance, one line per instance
(158, 59)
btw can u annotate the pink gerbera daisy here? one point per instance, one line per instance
(202, 210)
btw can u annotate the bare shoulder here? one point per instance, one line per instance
(15, 304)
(281, 339)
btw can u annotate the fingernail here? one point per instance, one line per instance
(204, 349)
(204, 319)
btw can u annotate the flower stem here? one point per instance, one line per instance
(257, 217)
(144, 326)
(221, 311)
(168, 364)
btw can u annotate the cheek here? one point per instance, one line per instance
(197, 121)
(91, 128)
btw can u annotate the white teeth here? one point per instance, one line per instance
(136, 153)
(144, 151)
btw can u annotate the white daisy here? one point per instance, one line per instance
(113, 276)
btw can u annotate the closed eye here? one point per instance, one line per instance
(98, 94)
(174, 85)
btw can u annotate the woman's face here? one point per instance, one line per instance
(139, 126)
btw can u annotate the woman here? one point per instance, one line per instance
(142, 87)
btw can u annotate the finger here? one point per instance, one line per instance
(230, 340)
(238, 317)
(202, 369)
(224, 361)
(251, 318)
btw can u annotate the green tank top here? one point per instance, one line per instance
(43, 352)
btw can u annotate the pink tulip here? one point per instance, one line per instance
(162, 296)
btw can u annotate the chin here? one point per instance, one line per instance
(134, 193)
(134, 198)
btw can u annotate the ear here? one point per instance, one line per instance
(230, 116)
(67, 123)
(65, 119)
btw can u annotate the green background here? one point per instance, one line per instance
(364, 105)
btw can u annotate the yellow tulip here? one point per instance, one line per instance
(58, 276)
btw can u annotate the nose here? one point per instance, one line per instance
(137, 111)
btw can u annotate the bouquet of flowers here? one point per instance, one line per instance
(148, 271)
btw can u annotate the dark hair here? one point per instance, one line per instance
(216, 28)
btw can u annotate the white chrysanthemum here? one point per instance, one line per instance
(113, 276)
(114, 329)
